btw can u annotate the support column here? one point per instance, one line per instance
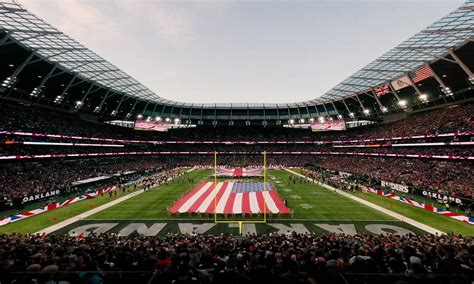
(413, 84)
(316, 108)
(99, 108)
(382, 108)
(118, 106)
(393, 91)
(133, 108)
(12, 80)
(446, 90)
(460, 63)
(22, 66)
(45, 79)
(360, 103)
(85, 96)
(66, 89)
(351, 114)
(154, 109)
(326, 110)
(438, 79)
(146, 106)
(335, 109)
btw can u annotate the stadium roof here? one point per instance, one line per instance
(46, 41)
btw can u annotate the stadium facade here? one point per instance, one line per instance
(41, 65)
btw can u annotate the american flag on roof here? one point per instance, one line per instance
(382, 90)
(421, 74)
(231, 198)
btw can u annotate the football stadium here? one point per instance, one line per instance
(105, 180)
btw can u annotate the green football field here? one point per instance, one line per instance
(315, 208)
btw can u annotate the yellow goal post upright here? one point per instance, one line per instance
(241, 222)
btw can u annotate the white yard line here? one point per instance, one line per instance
(86, 214)
(376, 207)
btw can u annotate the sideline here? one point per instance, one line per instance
(402, 218)
(86, 214)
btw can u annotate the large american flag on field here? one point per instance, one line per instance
(421, 74)
(232, 198)
(239, 172)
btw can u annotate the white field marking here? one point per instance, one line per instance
(400, 217)
(86, 214)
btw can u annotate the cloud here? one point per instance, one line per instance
(176, 23)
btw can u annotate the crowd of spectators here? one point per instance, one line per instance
(454, 118)
(273, 258)
(30, 176)
(24, 150)
(22, 179)
(447, 177)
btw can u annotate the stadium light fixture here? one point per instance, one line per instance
(158, 118)
(11, 65)
(471, 80)
(79, 103)
(423, 98)
(301, 120)
(292, 121)
(113, 113)
(176, 120)
(447, 91)
(402, 103)
(366, 111)
(8, 82)
(311, 119)
(167, 119)
(139, 116)
(322, 119)
(148, 118)
(351, 115)
(96, 109)
(384, 109)
(339, 116)
(34, 93)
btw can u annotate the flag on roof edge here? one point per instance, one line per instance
(421, 74)
(382, 90)
(401, 83)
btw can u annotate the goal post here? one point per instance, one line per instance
(236, 221)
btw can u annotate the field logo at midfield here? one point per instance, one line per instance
(189, 227)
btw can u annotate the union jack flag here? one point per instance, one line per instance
(382, 90)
